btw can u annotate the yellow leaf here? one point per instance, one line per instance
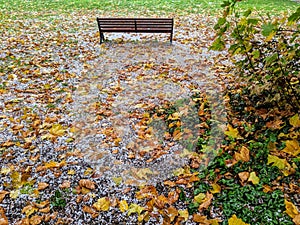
(236, 221)
(142, 173)
(5, 170)
(295, 121)
(14, 194)
(253, 178)
(117, 180)
(184, 214)
(278, 162)
(102, 204)
(232, 132)
(71, 172)
(216, 188)
(134, 208)
(29, 209)
(123, 206)
(199, 198)
(57, 130)
(291, 209)
(292, 147)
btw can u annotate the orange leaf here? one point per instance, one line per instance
(42, 186)
(244, 155)
(3, 218)
(206, 202)
(291, 209)
(87, 184)
(3, 194)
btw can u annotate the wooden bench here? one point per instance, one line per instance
(136, 25)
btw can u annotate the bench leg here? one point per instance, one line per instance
(171, 38)
(101, 38)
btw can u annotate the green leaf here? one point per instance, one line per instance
(294, 17)
(217, 45)
(271, 58)
(267, 29)
(248, 12)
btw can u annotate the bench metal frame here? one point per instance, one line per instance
(136, 25)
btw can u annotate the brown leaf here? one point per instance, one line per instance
(243, 155)
(3, 194)
(3, 218)
(200, 219)
(244, 176)
(206, 202)
(42, 186)
(35, 220)
(90, 210)
(296, 219)
(65, 184)
(87, 184)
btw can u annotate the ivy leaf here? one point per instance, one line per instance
(236, 221)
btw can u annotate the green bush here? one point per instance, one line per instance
(266, 54)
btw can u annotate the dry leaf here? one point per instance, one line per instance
(296, 219)
(232, 132)
(253, 178)
(3, 218)
(102, 204)
(291, 209)
(206, 202)
(123, 205)
(134, 208)
(35, 220)
(295, 121)
(244, 155)
(3, 194)
(42, 186)
(292, 147)
(244, 176)
(65, 184)
(216, 188)
(87, 184)
(236, 221)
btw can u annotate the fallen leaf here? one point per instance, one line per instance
(292, 147)
(123, 205)
(244, 176)
(244, 155)
(3, 218)
(102, 204)
(276, 161)
(253, 178)
(87, 184)
(3, 194)
(57, 130)
(199, 198)
(134, 208)
(90, 210)
(184, 214)
(29, 209)
(295, 121)
(206, 202)
(291, 209)
(42, 186)
(296, 219)
(35, 220)
(216, 188)
(236, 221)
(232, 132)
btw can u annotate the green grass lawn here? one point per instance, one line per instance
(273, 6)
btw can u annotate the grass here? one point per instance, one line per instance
(176, 6)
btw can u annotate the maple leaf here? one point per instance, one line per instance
(103, 204)
(236, 221)
(295, 121)
(253, 178)
(292, 147)
(232, 132)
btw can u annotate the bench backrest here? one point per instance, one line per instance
(145, 25)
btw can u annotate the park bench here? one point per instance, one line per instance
(136, 25)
